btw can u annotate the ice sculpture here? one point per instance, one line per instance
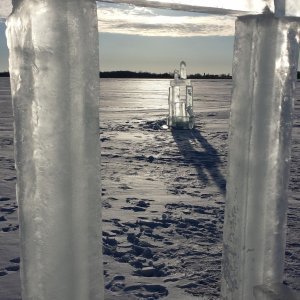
(183, 70)
(242, 7)
(264, 74)
(181, 100)
(55, 87)
(54, 77)
(206, 6)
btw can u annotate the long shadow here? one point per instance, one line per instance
(204, 161)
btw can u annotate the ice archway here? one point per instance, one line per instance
(54, 77)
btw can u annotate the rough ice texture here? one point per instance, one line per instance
(183, 70)
(292, 8)
(264, 75)
(275, 292)
(241, 7)
(289, 8)
(206, 6)
(5, 8)
(54, 78)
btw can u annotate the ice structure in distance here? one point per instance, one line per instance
(183, 70)
(181, 114)
(264, 78)
(55, 88)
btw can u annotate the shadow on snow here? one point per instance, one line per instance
(207, 160)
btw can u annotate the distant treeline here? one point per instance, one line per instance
(130, 74)
(209, 76)
(4, 74)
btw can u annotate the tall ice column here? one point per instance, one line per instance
(264, 75)
(55, 83)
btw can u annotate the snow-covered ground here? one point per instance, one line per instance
(163, 193)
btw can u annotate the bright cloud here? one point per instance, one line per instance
(128, 19)
(143, 21)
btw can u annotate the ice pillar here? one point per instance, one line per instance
(55, 80)
(264, 74)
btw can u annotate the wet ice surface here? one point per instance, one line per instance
(162, 191)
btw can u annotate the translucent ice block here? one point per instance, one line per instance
(206, 6)
(55, 83)
(277, 291)
(264, 74)
(183, 70)
(241, 7)
(292, 8)
(181, 101)
(189, 100)
(5, 8)
(289, 8)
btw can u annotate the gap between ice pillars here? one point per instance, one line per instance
(55, 90)
(264, 77)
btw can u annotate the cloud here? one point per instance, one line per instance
(128, 19)
(146, 22)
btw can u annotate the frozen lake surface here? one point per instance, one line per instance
(163, 193)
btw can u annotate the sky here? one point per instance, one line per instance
(156, 40)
